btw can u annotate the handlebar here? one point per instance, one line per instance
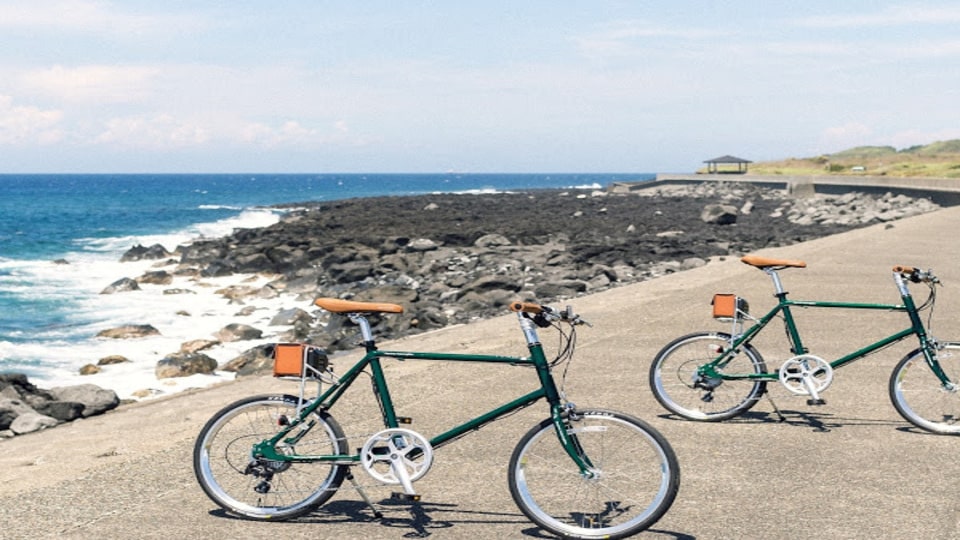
(547, 314)
(916, 275)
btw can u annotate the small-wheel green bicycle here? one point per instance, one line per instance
(580, 473)
(714, 376)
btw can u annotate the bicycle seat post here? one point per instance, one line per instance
(365, 331)
(777, 285)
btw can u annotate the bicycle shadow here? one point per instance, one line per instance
(818, 422)
(914, 430)
(422, 518)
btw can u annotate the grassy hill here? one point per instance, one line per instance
(940, 160)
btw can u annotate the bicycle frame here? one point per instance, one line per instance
(372, 359)
(785, 305)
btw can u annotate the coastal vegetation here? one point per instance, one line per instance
(936, 160)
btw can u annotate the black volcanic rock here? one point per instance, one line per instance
(451, 258)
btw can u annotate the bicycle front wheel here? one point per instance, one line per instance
(633, 480)
(920, 397)
(681, 390)
(261, 489)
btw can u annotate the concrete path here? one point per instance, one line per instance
(851, 469)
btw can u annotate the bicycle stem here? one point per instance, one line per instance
(529, 329)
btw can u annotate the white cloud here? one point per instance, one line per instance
(891, 16)
(846, 136)
(155, 132)
(913, 137)
(95, 83)
(85, 16)
(289, 133)
(27, 125)
(628, 38)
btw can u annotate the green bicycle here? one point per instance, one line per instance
(580, 473)
(714, 376)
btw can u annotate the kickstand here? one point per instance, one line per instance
(363, 495)
(775, 408)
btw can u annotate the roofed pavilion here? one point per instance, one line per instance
(713, 165)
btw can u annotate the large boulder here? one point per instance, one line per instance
(94, 400)
(719, 214)
(492, 283)
(184, 365)
(422, 244)
(560, 289)
(156, 277)
(491, 241)
(62, 411)
(16, 386)
(197, 345)
(121, 285)
(24, 408)
(30, 422)
(253, 361)
(139, 253)
(349, 272)
(129, 331)
(291, 316)
(10, 409)
(238, 332)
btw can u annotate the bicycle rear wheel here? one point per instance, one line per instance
(261, 489)
(678, 387)
(920, 397)
(636, 476)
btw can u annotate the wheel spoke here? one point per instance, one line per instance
(919, 395)
(635, 482)
(257, 488)
(681, 388)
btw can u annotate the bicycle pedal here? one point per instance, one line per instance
(812, 402)
(405, 497)
(404, 420)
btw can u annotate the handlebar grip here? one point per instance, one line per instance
(906, 270)
(526, 307)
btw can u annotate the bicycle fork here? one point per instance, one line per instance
(564, 415)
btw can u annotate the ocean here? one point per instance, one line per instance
(62, 236)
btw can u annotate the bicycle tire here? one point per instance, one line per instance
(674, 369)
(637, 479)
(918, 394)
(266, 490)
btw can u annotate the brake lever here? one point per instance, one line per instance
(580, 320)
(572, 318)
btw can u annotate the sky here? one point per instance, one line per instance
(314, 86)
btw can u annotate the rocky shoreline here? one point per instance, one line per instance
(453, 258)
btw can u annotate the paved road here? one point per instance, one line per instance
(851, 469)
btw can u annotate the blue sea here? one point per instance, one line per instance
(61, 238)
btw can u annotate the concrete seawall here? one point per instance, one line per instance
(943, 191)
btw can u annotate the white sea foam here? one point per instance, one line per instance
(594, 185)
(218, 207)
(494, 191)
(53, 356)
(178, 318)
(251, 218)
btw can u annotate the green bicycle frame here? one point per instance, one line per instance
(784, 305)
(372, 360)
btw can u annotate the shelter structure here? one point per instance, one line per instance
(713, 165)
